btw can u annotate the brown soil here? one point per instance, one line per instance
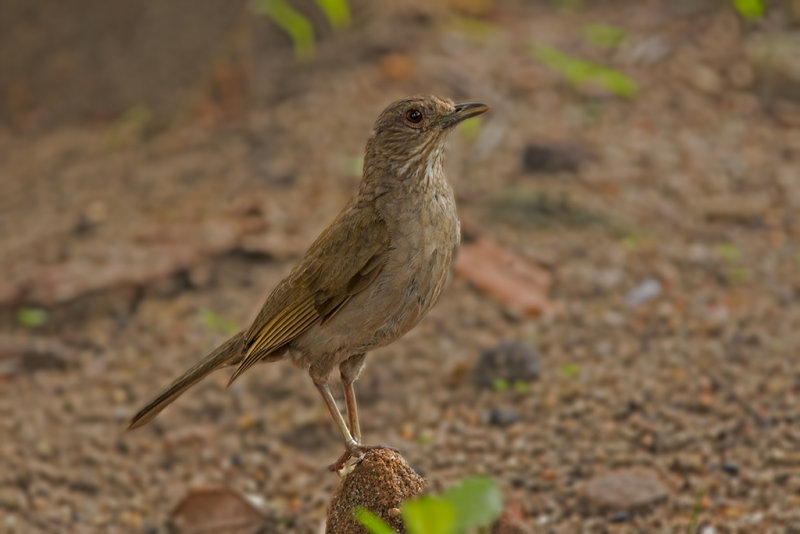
(110, 222)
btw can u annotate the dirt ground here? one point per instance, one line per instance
(131, 240)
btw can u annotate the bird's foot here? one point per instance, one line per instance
(357, 451)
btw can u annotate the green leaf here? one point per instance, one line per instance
(470, 128)
(212, 321)
(293, 23)
(500, 384)
(738, 275)
(567, 5)
(571, 370)
(749, 9)
(355, 165)
(631, 242)
(372, 522)
(32, 317)
(698, 506)
(475, 29)
(730, 252)
(603, 35)
(425, 437)
(579, 72)
(477, 502)
(429, 515)
(522, 387)
(337, 12)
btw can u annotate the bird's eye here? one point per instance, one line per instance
(413, 115)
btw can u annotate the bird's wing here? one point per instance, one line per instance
(343, 261)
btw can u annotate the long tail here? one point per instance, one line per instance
(226, 354)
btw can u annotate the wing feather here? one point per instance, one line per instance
(343, 261)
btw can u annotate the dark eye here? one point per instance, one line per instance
(413, 115)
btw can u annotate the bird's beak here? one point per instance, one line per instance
(463, 111)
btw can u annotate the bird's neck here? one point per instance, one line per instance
(418, 176)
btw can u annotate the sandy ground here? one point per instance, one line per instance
(691, 190)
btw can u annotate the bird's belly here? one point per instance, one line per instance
(415, 273)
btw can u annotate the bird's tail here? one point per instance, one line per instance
(228, 353)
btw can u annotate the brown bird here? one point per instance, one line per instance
(369, 277)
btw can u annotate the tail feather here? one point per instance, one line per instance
(228, 353)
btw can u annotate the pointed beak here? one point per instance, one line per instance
(463, 111)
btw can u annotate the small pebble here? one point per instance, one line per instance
(509, 361)
(730, 468)
(648, 289)
(501, 417)
(552, 157)
(620, 517)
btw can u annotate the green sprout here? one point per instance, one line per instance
(429, 515)
(372, 522)
(500, 384)
(337, 12)
(355, 165)
(32, 317)
(475, 29)
(293, 23)
(522, 387)
(749, 9)
(425, 437)
(631, 242)
(729, 252)
(579, 72)
(567, 5)
(571, 370)
(130, 125)
(698, 505)
(603, 35)
(473, 503)
(212, 321)
(297, 25)
(738, 275)
(470, 128)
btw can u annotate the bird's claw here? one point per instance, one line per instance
(357, 451)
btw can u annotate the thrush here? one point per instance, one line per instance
(371, 275)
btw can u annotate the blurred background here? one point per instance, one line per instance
(623, 312)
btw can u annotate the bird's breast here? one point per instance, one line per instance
(424, 245)
(423, 241)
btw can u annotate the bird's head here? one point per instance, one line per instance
(410, 134)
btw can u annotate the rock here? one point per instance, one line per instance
(741, 75)
(397, 67)
(218, 509)
(552, 157)
(620, 517)
(501, 417)
(509, 361)
(783, 458)
(705, 79)
(379, 483)
(730, 468)
(520, 285)
(511, 522)
(28, 354)
(733, 208)
(648, 289)
(776, 63)
(626, 489)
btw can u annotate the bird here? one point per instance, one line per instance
(368, 278)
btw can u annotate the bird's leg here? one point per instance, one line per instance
(349, 371)
(325, 391)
